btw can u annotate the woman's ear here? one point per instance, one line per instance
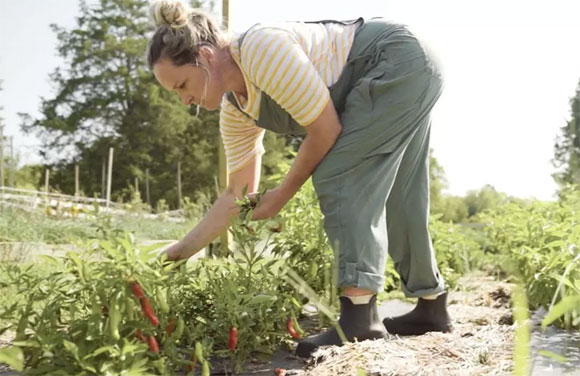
(205, 54)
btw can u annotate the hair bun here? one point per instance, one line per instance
(172, 13)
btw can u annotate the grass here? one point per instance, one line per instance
(17, 225)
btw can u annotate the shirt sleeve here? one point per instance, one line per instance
(241, 136)
(279, 66)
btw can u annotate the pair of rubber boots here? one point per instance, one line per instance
(361, 321)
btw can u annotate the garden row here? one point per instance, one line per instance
(117, 309)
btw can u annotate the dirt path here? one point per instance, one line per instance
(481, 343)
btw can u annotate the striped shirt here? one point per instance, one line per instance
(294, 63)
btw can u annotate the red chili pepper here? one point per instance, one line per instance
(191, 367)
(170, 326)
(153, 345)
(280, 372)
(291, 330)
(148, 311)
(105, 310)
(139, 335)
(137, 290)
(233, 338)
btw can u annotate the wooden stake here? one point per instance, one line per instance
(147, 187)
(46, 181)
(12, 162)
(179, 184)
(136, 184)
(76, 180)
(109, 177)
(226, 14)
(104, 178)
(223, 170)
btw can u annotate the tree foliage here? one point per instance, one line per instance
(567, 146)
(106, 97)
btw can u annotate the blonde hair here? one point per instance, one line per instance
(181, 31)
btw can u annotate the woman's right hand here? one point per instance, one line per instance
(174, 252)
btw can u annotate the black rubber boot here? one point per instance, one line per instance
(359, 321)
(427, 316)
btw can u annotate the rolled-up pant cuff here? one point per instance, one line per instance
(418, 293)
(349, 276)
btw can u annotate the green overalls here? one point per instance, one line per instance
(373, 185)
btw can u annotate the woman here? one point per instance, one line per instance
(361, 93)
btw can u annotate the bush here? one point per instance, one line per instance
(540, 240)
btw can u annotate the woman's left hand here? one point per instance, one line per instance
(270, 204)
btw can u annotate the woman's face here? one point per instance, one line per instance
(194, 84)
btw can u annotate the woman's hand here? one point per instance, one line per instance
(270, 203)
(174, 252)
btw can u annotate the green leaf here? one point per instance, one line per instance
(129, 348)
(50, 259)
(262, 298)
(138, 368)
(549, 354)
(14, 357)
(295, 302)
(2, 330)
(556, 244)
(568, 304)
(101, 350)
(126, 244)
(562, 279)
(28, 343)
(76, 259)
(71, 347)
(6, 314)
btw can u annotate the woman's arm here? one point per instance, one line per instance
(321, 135)
(217, 219)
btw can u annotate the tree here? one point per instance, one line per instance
(454, 209)
(567, 146)
(437, 183)
(485, 198)
(1, 108)
(106, 97)
(29, 176)
(2, 157)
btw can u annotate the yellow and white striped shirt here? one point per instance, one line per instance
(294, 63)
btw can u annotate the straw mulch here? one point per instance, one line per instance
(481, 343)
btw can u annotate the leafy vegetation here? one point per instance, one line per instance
(67, 318)
(18, 225)
(541, 240)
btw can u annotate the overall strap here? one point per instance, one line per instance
(230, 95)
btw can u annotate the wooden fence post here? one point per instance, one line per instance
(179, 185)
(46, 181)
(147, 187)
(12, 162)
(76, 180)
(109, 177)
(223, 170)
(104, 177)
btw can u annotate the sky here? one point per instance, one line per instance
(510, 69)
